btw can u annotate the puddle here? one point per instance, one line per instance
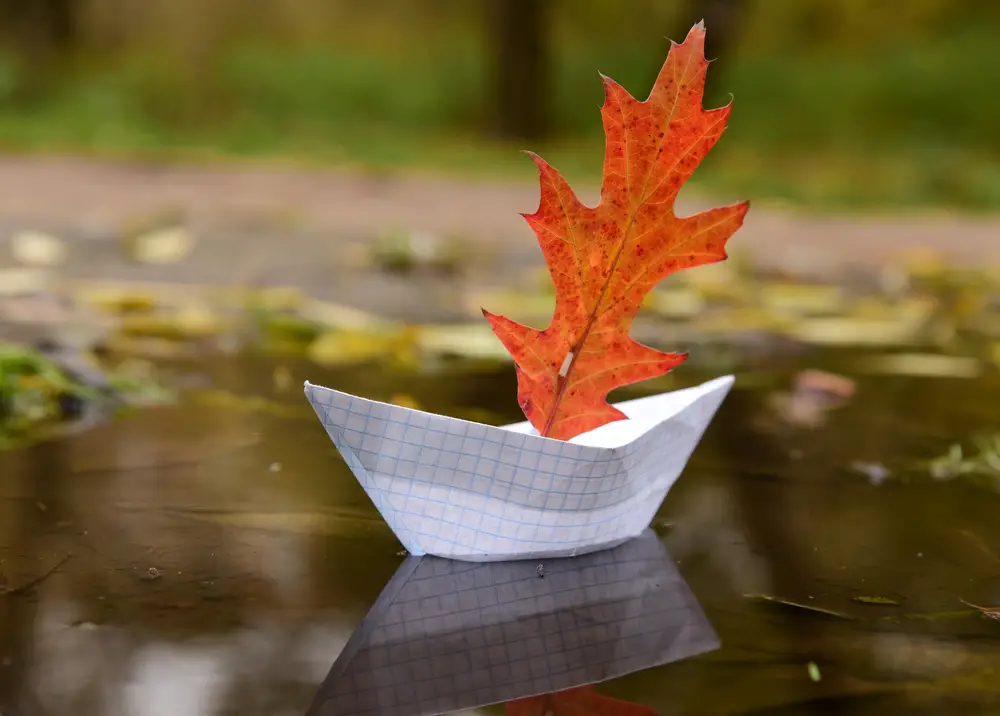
(216, 556)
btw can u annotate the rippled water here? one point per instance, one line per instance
(216, 556)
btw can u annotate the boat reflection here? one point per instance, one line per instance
(445, 635)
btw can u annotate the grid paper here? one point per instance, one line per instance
(446, 635)
(469, 491)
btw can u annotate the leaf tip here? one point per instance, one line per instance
(696, 36)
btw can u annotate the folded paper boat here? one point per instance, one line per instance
(468, 491)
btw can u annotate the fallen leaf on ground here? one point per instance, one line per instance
(34, 248)
(604, 260)
(161, 246)
(21, 281)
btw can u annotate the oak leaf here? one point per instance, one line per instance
(603, 260)
(581, 701)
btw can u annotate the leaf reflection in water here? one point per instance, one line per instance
(445, 636)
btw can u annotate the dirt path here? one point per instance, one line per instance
(291, 226)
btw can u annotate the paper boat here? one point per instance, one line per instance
(474, 492)
(446, 635)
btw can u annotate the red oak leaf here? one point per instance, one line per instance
(582, 701)
(605, 259)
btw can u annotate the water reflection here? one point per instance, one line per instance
(445, 636)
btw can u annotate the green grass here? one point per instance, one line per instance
(911, 124)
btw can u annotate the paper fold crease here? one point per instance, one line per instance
(464, 490)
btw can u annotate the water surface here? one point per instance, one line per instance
(215, 556)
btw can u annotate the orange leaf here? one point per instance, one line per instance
(582, 701)
(605, 259)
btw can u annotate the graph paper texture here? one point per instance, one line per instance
(463, 490)
(447, 635)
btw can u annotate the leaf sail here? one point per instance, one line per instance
(603, 260)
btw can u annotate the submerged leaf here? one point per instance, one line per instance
(604, 260)
(778, 601)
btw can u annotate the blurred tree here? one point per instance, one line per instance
(40, 31)
(519, 33)
(722, 24)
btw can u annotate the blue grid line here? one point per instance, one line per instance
(500, 499)
(569, 478)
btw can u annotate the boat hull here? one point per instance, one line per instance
(468, 491)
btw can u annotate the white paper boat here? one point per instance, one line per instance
(479, 493)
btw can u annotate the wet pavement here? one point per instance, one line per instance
(216, 556)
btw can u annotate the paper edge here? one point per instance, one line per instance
(724, 383)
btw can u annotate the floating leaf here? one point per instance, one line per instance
(813, 670)
(922, 365)
(604, 260)
(882, 601)
(989, 612)
(796, 605)
(931, 616)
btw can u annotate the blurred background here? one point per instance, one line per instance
(837, 102)
(205, 203)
